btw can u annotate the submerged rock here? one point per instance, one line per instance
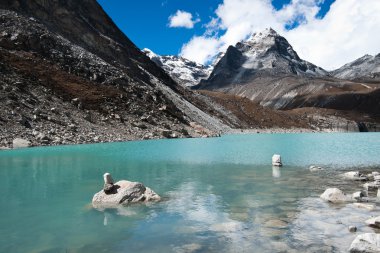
(355, 175)
(276, 160)
(366, 243)
(369, 207)
(123, 193)
(352, 229)
(315, 168)
(334, 195)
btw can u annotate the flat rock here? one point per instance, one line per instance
(366, 243)
(334, 195)
(124, 193)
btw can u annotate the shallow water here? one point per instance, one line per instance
(220, 195)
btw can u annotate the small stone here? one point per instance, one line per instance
(107, 178)
(108, 188)
(352, 229)
(357, 195)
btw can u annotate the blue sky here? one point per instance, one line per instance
(145, 22)
(328, 33)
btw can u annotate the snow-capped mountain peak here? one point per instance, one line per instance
(182, 70)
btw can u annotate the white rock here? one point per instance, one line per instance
(21, 143)
(276, 160)
(108, 178)
(355, 175)
(373, 222)
(125, 192)
(366, 243)
(334, 195)
(376, 178)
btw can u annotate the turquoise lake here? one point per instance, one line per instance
(219, 195)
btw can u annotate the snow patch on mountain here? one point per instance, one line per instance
(183, 71)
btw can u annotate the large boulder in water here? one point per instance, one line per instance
(123, 193)
(366, 243)
(334, 195)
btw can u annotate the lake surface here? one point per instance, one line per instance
(220, 195)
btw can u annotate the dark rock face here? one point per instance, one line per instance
(85, 24)
(69, 75)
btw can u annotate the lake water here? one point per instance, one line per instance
(220, 195)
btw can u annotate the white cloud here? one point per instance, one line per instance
(200, 48)
(182, 19)
(349, 30)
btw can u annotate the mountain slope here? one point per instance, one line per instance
(69, 75)
(185, 72)
(366, 68)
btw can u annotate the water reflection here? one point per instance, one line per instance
(276, 172)
(220, 202)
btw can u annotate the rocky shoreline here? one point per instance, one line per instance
(366, 199)
(78, 135)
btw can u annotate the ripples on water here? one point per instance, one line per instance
(219, 195)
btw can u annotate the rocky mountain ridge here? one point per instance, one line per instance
(185, 72)
(366, 68)
(68, 75)
(267, 70)
(264, 54)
